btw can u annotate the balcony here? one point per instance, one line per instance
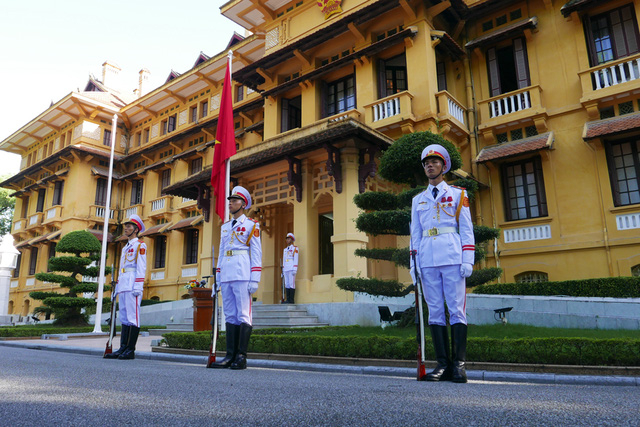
(133, 210)
(390, 112)
(19, 225)
(54, 214)
(451, 113)
(35, 220)
(99, 211)
(511, 107)
(161, 206)
(612, 78)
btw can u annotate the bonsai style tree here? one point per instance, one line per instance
(387, 213)
(69, 272)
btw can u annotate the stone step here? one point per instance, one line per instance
(276, 307)
(285, 321)
(301, 325)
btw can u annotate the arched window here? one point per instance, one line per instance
(156, 298)
(532, 277)
(635, 270)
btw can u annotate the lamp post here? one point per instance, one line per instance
(8, 261)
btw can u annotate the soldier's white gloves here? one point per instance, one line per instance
(253, 287)
(466, 269)
(136, 293)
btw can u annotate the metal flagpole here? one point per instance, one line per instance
(228, 161)
(107, 213)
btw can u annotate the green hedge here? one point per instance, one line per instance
(614, 287)
(387, 288)
(38, 331)
(562, 351)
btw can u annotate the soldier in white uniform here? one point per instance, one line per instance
(290, 267)
(133, 268)
(238, 273)
(444, 245)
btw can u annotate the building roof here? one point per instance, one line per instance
(516, 148)
(578, 5)
(156, 229)
(187, 222)
(611, 127)
(503, 33)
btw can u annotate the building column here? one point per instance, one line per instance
(305, 228)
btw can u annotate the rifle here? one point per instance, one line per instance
(214, 319)
(421, 372)
(282, 277)
(112, 319)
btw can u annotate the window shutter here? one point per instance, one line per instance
(630, 29)
(494, 75)
(442, 76)
(382, 79)
(618, 34)
(284, 115)
(324, 96)
(522, 67)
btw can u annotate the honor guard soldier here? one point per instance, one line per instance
(133, 267)
(442, 235)
(290, 267)
(238, 273)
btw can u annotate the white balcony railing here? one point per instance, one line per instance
(628, 221)
(456, 110)
(616, 74)
(189, 271)
(157, 275)
(51, 213)
(100, 212)
(158, 204)
(30, 281)
(386, 108)
(131, 211)
(17, 225)
(524, 234)
(510, 104)
(33, 219)
(14, 283)
(187, 200)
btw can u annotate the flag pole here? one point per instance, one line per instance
(97, 328)
(228, 161)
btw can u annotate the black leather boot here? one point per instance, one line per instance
(293, 295)
(130, 352)
(459, 351)
(440, 339)
(243, 343)
(232, 347)
(124, 337)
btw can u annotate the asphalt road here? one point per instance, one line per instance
(52, 388)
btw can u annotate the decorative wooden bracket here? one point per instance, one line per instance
(368, 169)
(334, 167)
(204, 200)
(294, 175)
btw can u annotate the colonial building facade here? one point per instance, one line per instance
(542, 98)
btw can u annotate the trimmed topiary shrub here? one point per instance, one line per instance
(612, 287)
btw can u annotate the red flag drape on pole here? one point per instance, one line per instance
(225, 145)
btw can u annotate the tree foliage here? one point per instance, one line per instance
(7, 206)
(69, 273)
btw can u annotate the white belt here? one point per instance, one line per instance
(128, 270)
(235, 252)
(438, 230)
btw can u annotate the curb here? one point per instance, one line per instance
(474, 375)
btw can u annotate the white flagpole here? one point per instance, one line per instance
(107, 213)
(228, 161)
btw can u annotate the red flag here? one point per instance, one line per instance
(225, 146)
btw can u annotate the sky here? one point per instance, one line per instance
(49, 48)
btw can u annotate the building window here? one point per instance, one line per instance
(239, 93)
(57, 193)
(195, 166)
(33, 261)
(165, 179)
(392, 76)
(160, 252)
(204, 109)
(624, 171)
(191, 249)
(106, 138)
(635, 270)
(325, 245)
(171, 124)
(101, 192)
(341, 96)
(508, 67)
(193, 114)
(16, 271)
(146, 135)
(42, 193)
(524, 193)
(138, 139)
(25, 207)
(136, 192)
(612, 35)
(532, 277)
(442, 76)
(291, 114)
(52, 253)
(163, 127)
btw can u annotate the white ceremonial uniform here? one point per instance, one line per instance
(442, 244)
(239, 263)
(133, 267)
(290, 266)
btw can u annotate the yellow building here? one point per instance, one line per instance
(541, 98)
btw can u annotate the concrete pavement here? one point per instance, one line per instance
(95, 344)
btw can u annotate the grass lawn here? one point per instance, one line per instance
(500, 331)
